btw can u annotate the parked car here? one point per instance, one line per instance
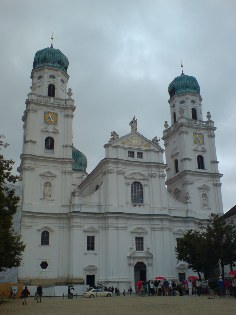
(97, 292)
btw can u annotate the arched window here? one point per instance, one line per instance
(176, 166)
(200, 162)
(194, 114)
(174, 117)
(136, 192)
(49, 143)
(45, 238)
(51, 90)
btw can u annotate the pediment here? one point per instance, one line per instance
(178, 232)
(139, 230)
(146, 254)
(136, 141)
(90, 268)
(136, 176)
(47, 228)
(48, 174)
(182, 265)
(90, 229)
(204, 187)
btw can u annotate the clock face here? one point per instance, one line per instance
(50, 118)
(198, 138)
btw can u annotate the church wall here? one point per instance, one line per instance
(115, 240)
(56, 254)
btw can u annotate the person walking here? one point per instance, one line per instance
(221, 287)
(24, 294)
(211, 287)
(39, 293)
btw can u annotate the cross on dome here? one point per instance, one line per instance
(52, 40)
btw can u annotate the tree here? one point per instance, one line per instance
(192, 249)
(212, 245)
(11, 246)
(221, 239)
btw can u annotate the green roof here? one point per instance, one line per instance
(50, 57)
(79, 160)
(183, 84)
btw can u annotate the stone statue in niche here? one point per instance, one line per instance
(204, 200)
(133, 125)
(47, 190)
(181, 111)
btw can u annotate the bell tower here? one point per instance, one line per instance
(46, 160)
(46, 169)
(192, 166)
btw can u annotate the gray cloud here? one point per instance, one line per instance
(123, 55)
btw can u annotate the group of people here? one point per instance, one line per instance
(187, 287)
(38, 294)
(169, 288)
(224, 287)
(164, 288)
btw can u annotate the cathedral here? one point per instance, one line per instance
(120, 223)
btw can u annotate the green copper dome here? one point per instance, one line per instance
(183, 84)
(79, 160)
(50, 57)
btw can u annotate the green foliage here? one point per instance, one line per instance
(203, 250)
(11, 245)
(221, 239)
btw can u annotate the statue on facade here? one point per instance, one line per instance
(155, 140)
(47, 190)
(114, 136)
(133, 125)
(204, 200)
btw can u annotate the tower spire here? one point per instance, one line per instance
(52, 40)
(182, 67)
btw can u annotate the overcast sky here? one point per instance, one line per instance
(123, 54)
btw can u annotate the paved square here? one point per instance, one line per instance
(128, 305)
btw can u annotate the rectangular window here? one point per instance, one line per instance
(131, 154)
(139, 244)
(139, 155)
(90, 242)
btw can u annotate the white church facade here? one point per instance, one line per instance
(118, 224)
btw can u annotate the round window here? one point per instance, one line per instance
(44, 265)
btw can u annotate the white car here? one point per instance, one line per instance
(97, 292)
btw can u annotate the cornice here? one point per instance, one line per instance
(32, 157)
(185, 173)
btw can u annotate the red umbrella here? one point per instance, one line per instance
(139, 283)
(232, 273)
(159, 278)
(192, 278)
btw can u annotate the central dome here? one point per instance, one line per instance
(183, 84)
(50, 57)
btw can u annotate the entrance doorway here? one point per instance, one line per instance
(90, 280)
(140, 272)
(182, 276)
